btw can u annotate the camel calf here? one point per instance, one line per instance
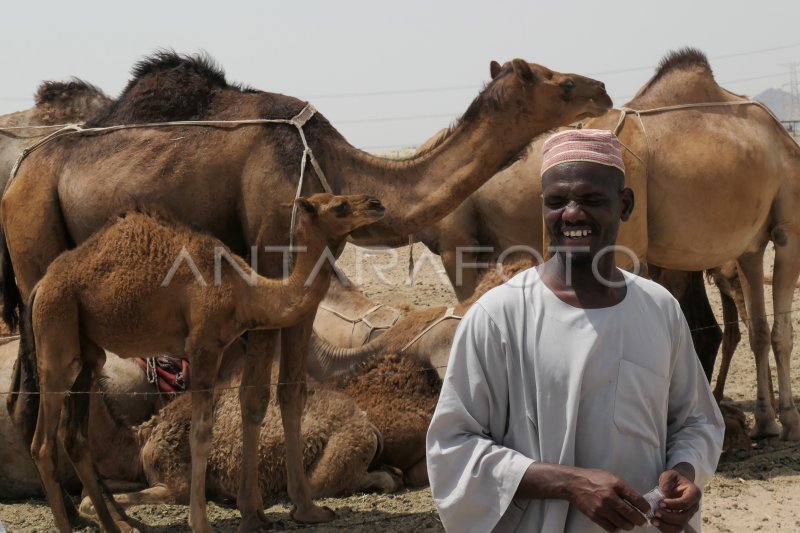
(146, 285)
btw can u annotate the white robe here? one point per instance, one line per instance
(532, 378)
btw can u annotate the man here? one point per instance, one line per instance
(574, 388)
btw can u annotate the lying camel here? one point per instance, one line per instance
(339, 445)
(125, 289)
(230, 178)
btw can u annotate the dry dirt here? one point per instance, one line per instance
(756, 490)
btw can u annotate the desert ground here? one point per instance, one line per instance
(754, 490)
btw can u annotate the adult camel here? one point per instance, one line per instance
(231, 180)
(56, 103)
(714, 183)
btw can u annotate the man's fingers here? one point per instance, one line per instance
(686, 500)
(634, 498)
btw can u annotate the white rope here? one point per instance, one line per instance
(298, 121)
(363, 318)
(14, 128)
(448, 314)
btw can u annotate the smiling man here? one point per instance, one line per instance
(573, 389)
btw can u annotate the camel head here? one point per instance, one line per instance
(543, 98)
(336, 216)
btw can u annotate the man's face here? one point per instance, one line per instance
(583, 204)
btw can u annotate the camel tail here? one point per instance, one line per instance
(12, 300)
(23, 403)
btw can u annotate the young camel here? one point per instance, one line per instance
(125, 289)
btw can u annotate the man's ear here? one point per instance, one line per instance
(494, 69)
(628, 202)
(307, 206)
(523, 70)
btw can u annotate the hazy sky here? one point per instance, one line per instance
(394, 73)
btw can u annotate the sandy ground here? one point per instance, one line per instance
(756, 490)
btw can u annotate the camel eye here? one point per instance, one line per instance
(341, 209)
(568, 85)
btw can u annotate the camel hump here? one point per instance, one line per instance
(682, 58)
(168, 86)
(61, 92)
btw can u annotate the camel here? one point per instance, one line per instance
(231, 178)
(18, 476)
(682, 208)
(339, 445)
(56, 103)
(125, 289)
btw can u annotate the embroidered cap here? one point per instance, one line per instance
(593, 146)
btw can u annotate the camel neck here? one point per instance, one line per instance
(419, 191)
(277, 303)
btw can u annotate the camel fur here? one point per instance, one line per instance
(127, 289)
(231, 182)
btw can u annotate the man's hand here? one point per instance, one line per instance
(607, 500)
(681, 499)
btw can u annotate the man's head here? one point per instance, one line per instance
(584, 197)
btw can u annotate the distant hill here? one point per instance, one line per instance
(779, 101)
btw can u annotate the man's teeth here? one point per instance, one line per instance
(577, 233)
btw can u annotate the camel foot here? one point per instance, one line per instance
(765, 430)
(790, 420)
(313, 514)
(256, 522)
(89, 517)
(387, 479)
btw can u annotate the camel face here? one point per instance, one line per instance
(569, 96)
(340, 215)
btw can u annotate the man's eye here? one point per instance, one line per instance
(554, 203)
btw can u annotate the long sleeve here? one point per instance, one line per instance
(695, 428)
(473, 477)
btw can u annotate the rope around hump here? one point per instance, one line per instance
(298, 121)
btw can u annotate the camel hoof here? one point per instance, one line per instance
(765, 430)
(790, 433)
(255, 523)
(313, 515)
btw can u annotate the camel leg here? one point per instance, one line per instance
(417, 474)
(460, 264)
(55, 380)
(76, 437)
(730, 339)
(787, 269)
(292, 397)
(342, 467)
(253, 399)
(157, 494)
(205, 366)
(751, 268)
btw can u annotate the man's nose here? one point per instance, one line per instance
(573, 212)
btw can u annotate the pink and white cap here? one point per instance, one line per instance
(593, 146)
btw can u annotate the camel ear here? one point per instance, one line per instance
(494, 69)
(307, 206)
(523, 70)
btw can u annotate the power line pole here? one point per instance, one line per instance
(794, 90)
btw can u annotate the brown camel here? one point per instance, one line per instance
(18, 476)
(339, 445)
(126, 289)
(347, 318)
(230, 181)
(56, 103)
(699, 173)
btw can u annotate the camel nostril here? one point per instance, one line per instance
(374, 202)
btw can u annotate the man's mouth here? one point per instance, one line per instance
(576, 233)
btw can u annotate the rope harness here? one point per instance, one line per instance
(169, 374)
(364, 318)
(448, 314)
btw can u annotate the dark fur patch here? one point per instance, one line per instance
(56, 92)
(680, 59)
(167, 86)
